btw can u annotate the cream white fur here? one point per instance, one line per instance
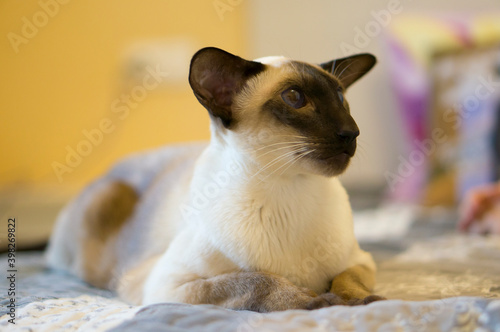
(206, 213)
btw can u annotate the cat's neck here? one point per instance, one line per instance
(223, 157)
(298, 202)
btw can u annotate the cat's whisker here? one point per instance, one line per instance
(277, 160)
(360, 155)
(295, 160)
(269, 164)
(363, 144)
(280, 148)
(298, 136)
(290, 144)
(278, 143)
(361, 152)
(281, 157)
(300, 141)
(290, 162)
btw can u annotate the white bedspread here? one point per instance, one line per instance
(435, 280)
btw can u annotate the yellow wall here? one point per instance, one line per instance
(66, 77)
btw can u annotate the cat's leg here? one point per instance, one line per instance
(256, 291)
(355, 285)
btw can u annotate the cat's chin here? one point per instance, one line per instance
(331, 166)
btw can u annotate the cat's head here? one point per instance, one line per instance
(289, 116)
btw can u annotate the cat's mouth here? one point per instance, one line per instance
(335, 151)
(338, 161)
(332, 152)
(340, 158)
(333, 160)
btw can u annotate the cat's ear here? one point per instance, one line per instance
(349, 69)
(216, 76)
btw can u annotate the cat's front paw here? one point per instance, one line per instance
(324, 300)
(366, 300)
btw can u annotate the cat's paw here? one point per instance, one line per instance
(324, 300)
(366, 300)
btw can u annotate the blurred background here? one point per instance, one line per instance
(86, 83)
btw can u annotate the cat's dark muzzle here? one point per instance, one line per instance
(350, 149)
(335, 157)
(328, 151)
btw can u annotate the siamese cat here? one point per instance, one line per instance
(256, 219)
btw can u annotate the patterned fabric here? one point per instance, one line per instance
(435, 280)
(82, 313)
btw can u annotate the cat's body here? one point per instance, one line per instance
(253, 220)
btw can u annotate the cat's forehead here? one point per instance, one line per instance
(275, 61)
(290, 69)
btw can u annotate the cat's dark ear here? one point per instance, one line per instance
(349, 69)
(216, 76)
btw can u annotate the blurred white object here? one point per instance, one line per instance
(383, 223)
(171, 56)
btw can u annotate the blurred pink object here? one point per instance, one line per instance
(480, 210)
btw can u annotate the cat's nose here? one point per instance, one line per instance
(348, 136)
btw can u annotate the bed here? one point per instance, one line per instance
(434, 278)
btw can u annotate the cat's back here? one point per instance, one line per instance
(147, 176)
(161, 178)
(141, 170)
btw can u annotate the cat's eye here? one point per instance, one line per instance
(341, 95)
(294, 97)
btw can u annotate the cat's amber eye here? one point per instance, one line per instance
(341, 95)
(294, 97)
